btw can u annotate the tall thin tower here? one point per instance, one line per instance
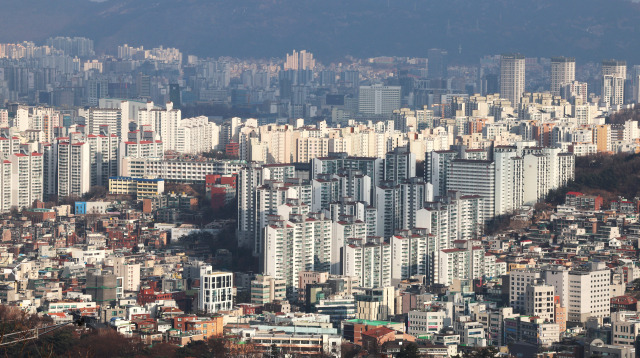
(563, 71)
(512, 68)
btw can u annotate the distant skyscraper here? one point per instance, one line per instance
(174, 95)
(437, 65)
(635, 80)
(563, 71)
(512, 68)
(302, 60)
(350, 78)
(378, 99)
(614, 73)
(614, 68)
(489, 84)
(77, 46)
(143, 85)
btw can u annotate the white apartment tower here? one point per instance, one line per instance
(475, 177)
(103, 154)
(509, 189)
(165, 122)
(437, 168)
(369, 261)
(143, 143)
(97, 118)
(296, 242)
(74, 167)
(575, 90)
(354, 184)
(345, 229)
(413, 252)
(563, 71)
(302, 60)
(26, 179)
(195, 135)
(250, 178)
(5, 185)
(512, 74)
(614, 74)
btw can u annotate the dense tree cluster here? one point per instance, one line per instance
(624, 115)
(71, 341)
(607, 175)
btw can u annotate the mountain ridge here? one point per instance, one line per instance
(332, 29)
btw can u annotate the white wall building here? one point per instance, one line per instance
(216, 292)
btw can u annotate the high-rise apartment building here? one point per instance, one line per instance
(414, 192)
(354, 184)
(294, 243)
(302, 60)
(368, 261)
(371, 167)
(575, 90)
(475, 177)
(250, 179)
(509, 194)
(545, 169)
(165, 122)
(388, 205)
(5, 185)
(346, 228)
(347, 210)
(413, 252)
(97, 118)
(378, 99)
(103, 153)
(437, 169)
(73, 167)
(399, 165)
(614, 74)
(143, 143)
(563, 71)
(26, 179)
(465, 263)
(270, 196)
(512, 74)
(195, 135)
(453, 217)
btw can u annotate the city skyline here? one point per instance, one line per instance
(325, 179)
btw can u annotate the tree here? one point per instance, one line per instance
(95, 192)
(409, 351)
(274, 352)
(486, 352)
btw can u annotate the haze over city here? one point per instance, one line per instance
(285, 179)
